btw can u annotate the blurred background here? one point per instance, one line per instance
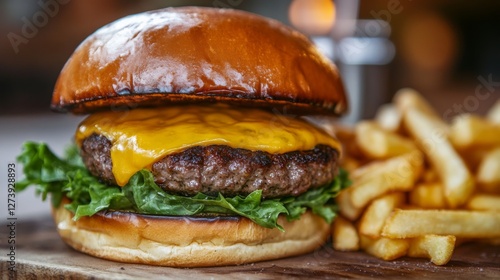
(448, 50)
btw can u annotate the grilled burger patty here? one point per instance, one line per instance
(222, 169)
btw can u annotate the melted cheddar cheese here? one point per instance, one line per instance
(141, 137)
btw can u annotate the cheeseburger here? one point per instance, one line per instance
(195, 151)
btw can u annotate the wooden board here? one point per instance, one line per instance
(40, 254)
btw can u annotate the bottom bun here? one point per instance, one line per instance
(188, 241)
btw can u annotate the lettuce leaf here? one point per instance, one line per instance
(69, 177)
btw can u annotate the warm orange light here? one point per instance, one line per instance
(314, 17)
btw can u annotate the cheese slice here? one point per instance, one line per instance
(140, 137)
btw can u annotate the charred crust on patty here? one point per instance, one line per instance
(96, 155)
(221, 169)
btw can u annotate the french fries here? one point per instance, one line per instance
(439, 248)
(347, 209)
(420, 186)
(378, 143)
(344, 235)
(389, 117)
(346, 136)
(486, 202)
(457, 181)
(488, 173)
(472, 131)
(396, 174)
(385, 248)
(494, 113)
(460, 223)
(407, 98)
(375, 215)
(428, 196)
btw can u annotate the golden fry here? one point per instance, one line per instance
(428, 196)
(376, 179)
(488, 173)
(486, 202)
(438, 248)
(494, 113)
(385, 248)
(457, 181)
(472, 131)
(344, 235)
(378, 143)
(395, 174)
(374, 217)
(460, 223)
(346, 208)
(389, 117)
(407, 98)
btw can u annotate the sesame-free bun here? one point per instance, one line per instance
(187, 241)
(197, 55)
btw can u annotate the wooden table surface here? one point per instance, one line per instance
(40, 254)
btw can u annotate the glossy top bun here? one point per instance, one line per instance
(189, 55)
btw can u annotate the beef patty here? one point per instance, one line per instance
(221, 169)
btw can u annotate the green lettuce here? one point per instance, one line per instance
(69, 177)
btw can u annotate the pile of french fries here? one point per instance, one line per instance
(420, 186)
